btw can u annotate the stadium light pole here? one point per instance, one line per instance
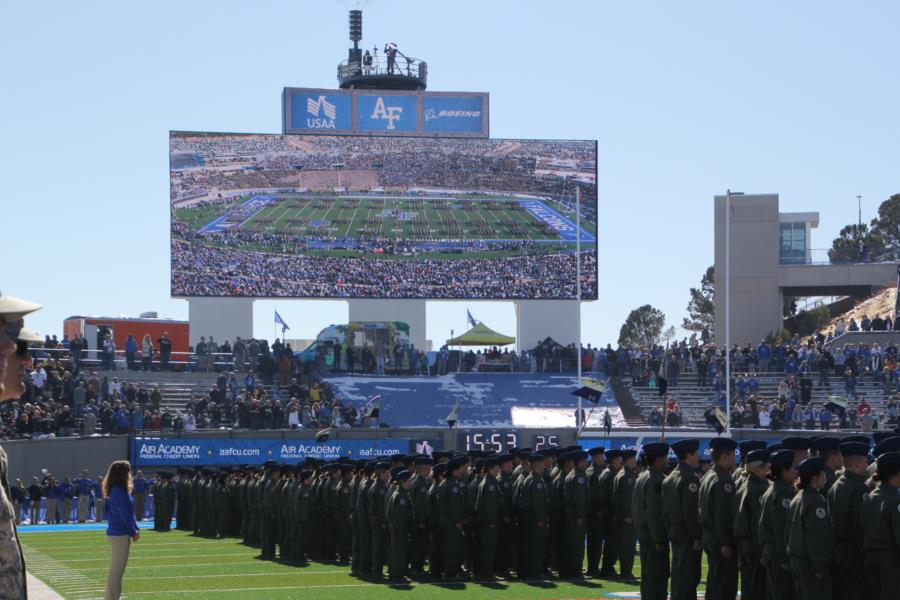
(728, 312)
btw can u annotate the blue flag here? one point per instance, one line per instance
(471, 318)
(280, 321)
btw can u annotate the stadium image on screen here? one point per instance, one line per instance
(300, 216)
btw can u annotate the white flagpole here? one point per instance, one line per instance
(578, 288)
(728, 312)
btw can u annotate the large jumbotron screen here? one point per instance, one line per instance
(294, 216)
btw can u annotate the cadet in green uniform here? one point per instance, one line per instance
(343, 509)
(611, 533)
(487, 511)
(451, 504)
(800, 447)
(810, 541)
(647, 510)
(828, 449)
(377, 504)
(435, 523)
(746, 524)
(534, 516)
(845, 500)
(507, 542)
(269, 524)
(623, 489)
(716, 511)
(881, 529)
(303, 503)
(420, 482)
(576, 507)
(680, 491)
(595, 514)
(400, 518)
(773, 522)
(363, 565)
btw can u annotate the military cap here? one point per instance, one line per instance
(574, 448)
(382, 465)
(888, 460)
(514, 450)
(524, 453)
(854, 449)
(360, 464)
(827, 443)
(891, 444)
(266, 464)
(306, 473)
(397, 469)
(490, 462)
(408, 460)
(811, 466)
(346, 468)
(796, 443)
(565, 457)
(439, 454)
(476, 453)
(479, 464)
(11, 306)
(423, 460)
(536, 457)
(682, 447)
(456, 463)
(757, 456)
(655, 449)
(504, 458)
(397, 457)
(629, 453)
(723, 444)
(596, 450)
(440, 469)
(335, 465)
(369, 468)
(862, 439)
(164, 474)
(402, 475)
(782, 459)
(545, 452)
(748, 446)
(613, 454)
(776, 447)
(880, 436)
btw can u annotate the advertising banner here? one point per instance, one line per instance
(453, 114)
(313, 111)
(199, 451)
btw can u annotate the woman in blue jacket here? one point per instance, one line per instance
(122, 529)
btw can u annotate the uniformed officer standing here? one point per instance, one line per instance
(828, 449)
(435, 524)
(269, 523)
(451, 503)
(746, 524)
(595, 529)
(576, 507)
(611, 533)
(881, 529)
(845, 499)
(810, 540)
(534, 516)
(679, 494)
(716, 510)
(343, 511)
(507, 542)
(400, 518)
(420, 482)
(773, 522)
(647, 510)
(487, 509)
(377, 504)
(623, 490)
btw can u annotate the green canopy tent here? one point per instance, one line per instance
(481, 335)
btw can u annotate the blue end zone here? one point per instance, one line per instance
(561, 224)
(256, 203)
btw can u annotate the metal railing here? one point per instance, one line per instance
(826, 256)
(380, 65)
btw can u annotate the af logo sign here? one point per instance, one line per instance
(388, 113)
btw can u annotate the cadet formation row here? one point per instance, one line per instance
(804, 518)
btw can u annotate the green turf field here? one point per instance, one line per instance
(470, 218)
(177, 565)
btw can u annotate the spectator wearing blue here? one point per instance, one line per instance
(83, 486)
(66, 492)
(122, 528)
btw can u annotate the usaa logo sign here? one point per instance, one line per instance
(321, 111)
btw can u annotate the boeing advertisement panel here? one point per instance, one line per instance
(312, 216)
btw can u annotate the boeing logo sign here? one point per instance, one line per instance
(320, 112)
(368, 112)
(454, 114)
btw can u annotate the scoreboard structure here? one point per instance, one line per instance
(385, 112)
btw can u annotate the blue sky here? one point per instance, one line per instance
(686, 99)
